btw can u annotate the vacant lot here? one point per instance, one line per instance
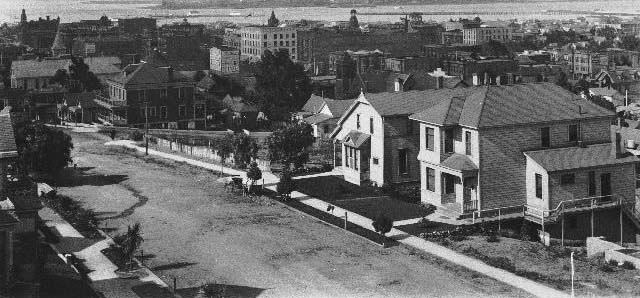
(198, 234)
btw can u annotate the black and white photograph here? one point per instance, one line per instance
(319, 148)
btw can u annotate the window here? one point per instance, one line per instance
(467, 142)
(163, 112)
(275, 43)
(287, 35)
(409, 126)
(538, 186)
(545, 138)
(568, 179)
(375, 161)
(152, 111)
(448, 140)
(281, 43)
(431, 179)
(325, 129)
(265, 44)
(265, 36)
(573, 133)
(358, 121)
(163, 92)
(286, 43)
(371, 125)
(403, 161)
(429, 138)
(293, 35)
(275, 36)
(182, 110)
(592, 183)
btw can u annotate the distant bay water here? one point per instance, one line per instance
(74, 10)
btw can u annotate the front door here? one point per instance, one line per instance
(605, 185)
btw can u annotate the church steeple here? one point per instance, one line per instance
(58, 48)
(23, 17)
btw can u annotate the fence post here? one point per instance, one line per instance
(345, 220)
(499, 220)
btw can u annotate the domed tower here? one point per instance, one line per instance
(353, 21)
(23, 17)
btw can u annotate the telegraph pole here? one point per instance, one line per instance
(146, 127)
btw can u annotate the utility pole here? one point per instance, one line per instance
(146, 127)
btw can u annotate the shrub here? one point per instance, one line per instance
(382, 224)
(628, 265)
(425, 223)
(458, 238)
(428, 208)
(525, 231)
(136, 135)
(493, 238)
(606, 268)
(502, 263)
(613, 262)
(286, 185)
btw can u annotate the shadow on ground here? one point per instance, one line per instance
(227, 291)
(71, 177)
(176, 265)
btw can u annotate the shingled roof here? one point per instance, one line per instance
(578, 157)
(147, 74)
(491, 106)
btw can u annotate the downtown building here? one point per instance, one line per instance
(255, 40)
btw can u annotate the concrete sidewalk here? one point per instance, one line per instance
(452, 256)
(101, 270)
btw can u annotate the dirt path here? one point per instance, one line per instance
(197, 233)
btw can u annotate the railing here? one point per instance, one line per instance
(468, 206)
(498, 212)
(117, 103)
(568, 205)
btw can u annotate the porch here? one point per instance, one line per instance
(356, 152)
(452, 185)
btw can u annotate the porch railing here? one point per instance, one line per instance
(469, 206)
(574, 204)
(497, 212)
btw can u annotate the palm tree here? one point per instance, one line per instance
(132, 241)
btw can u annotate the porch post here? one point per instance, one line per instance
(591, 217)
(562, 230)
(621, 235)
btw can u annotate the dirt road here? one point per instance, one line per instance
(198, 233)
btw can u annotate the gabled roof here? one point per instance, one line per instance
(314, 104)
(338, 107)
(103, 65)
(7, 137)
(86, 100)
(490, 106)
(38, 69)
(355, 139)
(406, 103)
(578, 157)
(446, 112)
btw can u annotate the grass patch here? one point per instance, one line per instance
(82, 219)
(333, 188)
(395, 209)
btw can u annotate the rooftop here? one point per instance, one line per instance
(571, 158)
(494, 106)
(7, 137)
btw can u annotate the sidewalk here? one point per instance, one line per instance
(509, 278)
(101, 273)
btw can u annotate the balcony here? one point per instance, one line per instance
(110, 103)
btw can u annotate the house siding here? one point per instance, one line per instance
(502, 162)
(397, 137)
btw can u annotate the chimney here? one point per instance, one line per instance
(48, 19)
(475, 79)
(616, 149)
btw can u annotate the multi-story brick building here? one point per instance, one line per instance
(255, 40)
(224, 60)
(481, 35)
(530, 149)
(158, 95)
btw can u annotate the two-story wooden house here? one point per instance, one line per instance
(380, 144)
(158, 95)
(533, 149)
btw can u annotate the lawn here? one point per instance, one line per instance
(333, 188)
(372, 207)
(551, 265)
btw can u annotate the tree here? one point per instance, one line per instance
(415, 18)
(61, 77)
(42, 148)
(273, 21)
(224, 148)
(282, 86)
(131, 242)
(254, 174)
(290, 145)
(79, 72)
(286, 185)
(382, 224)
(244, 149)
(630, 42)
(494, 48)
